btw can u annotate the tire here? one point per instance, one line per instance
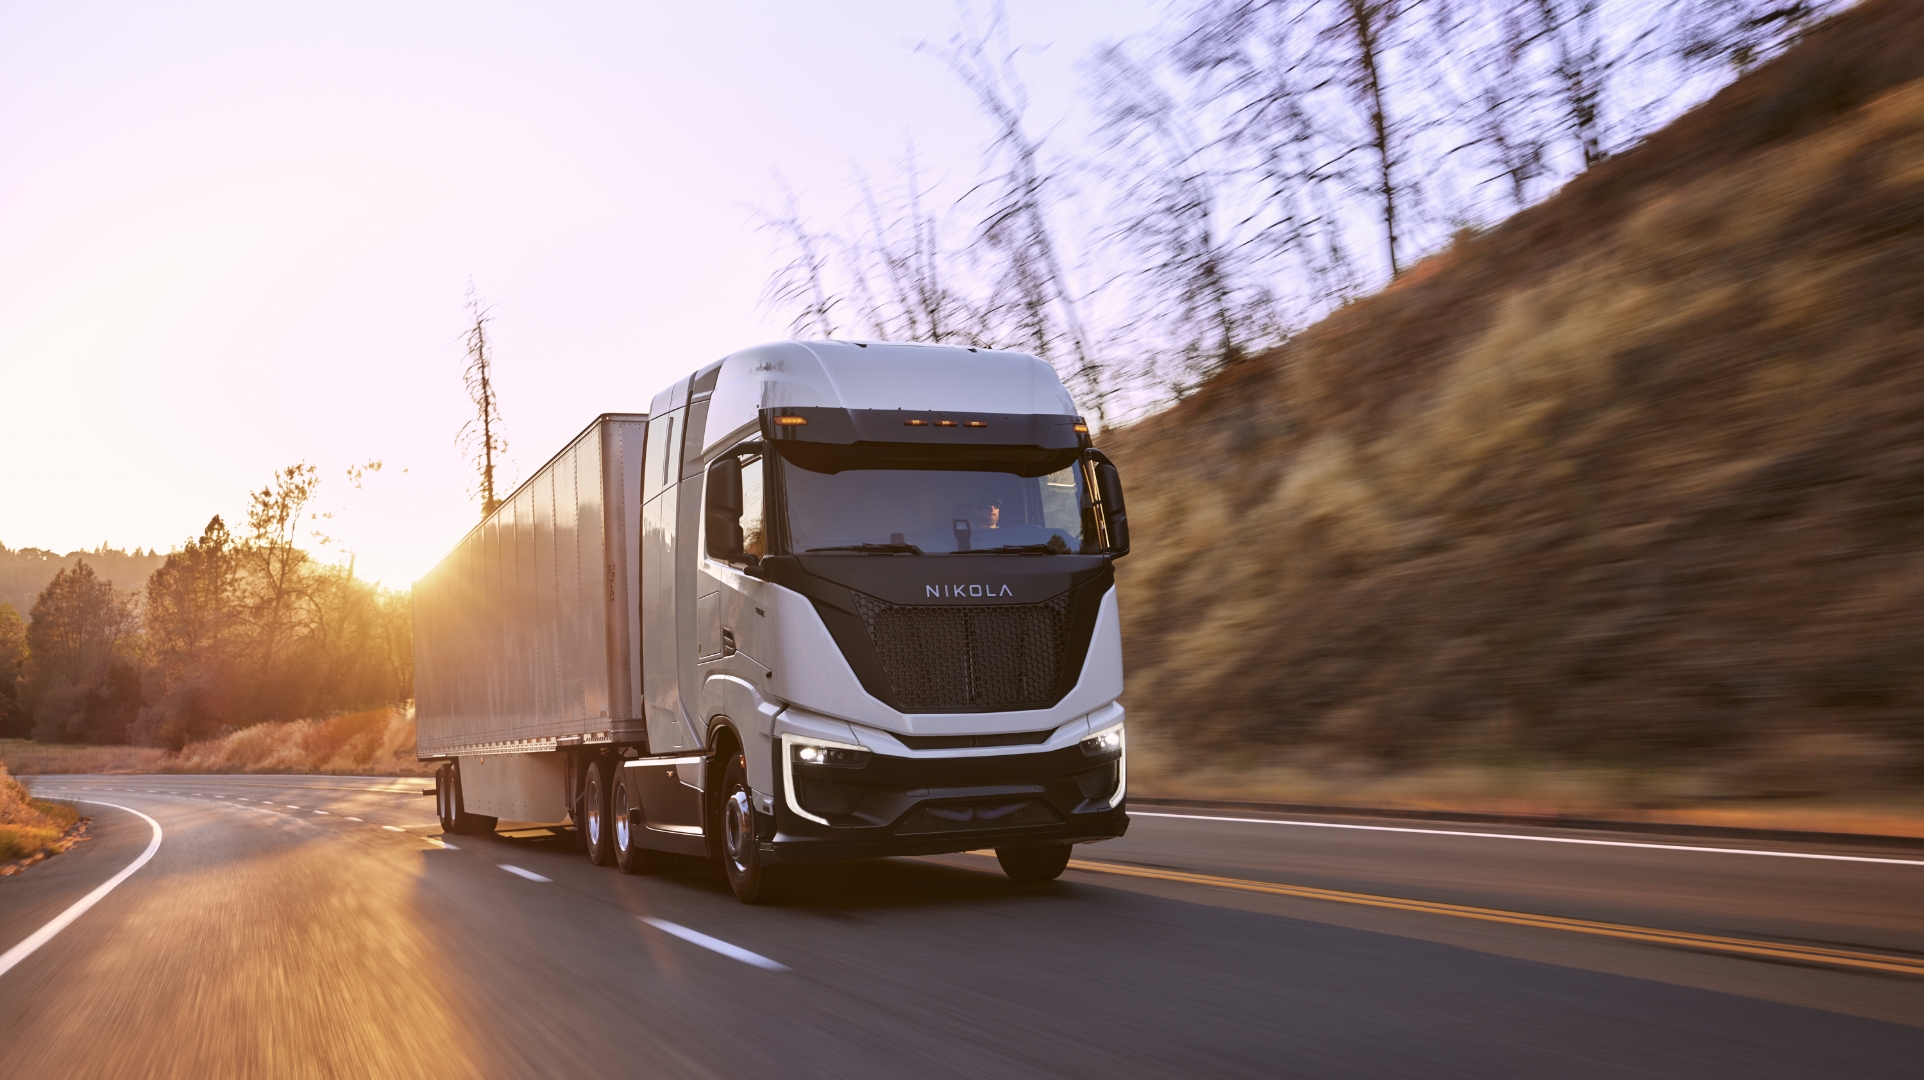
(630, 856)
(1033, 862)
(753, 882)
(465, 824)
(594, 814)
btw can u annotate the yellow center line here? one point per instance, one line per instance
(1708, 942)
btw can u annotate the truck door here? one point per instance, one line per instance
(661, 651)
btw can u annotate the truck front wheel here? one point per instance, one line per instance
(753, 882)
(1033, 862)
(594, 814)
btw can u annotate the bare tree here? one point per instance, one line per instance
(482, 437)
(1199, 265)
(801, 283)
(1031, 290)
(1325, 94)
(905, 252)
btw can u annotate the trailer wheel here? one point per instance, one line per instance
(624, 801)
(1033, 862)
(594, 814)
(443, 796)
(753, 882)
(464, 823)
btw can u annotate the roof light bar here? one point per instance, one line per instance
(790, 421)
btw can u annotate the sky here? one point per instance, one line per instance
(234, 237)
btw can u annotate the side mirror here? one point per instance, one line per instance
(1114, 511)
(723, 509)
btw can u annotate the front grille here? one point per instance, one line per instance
(1006, 656)
(970, 817)
(965, 742)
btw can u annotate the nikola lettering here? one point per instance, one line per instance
(944, 592)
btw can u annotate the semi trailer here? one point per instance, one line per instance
(825, 600)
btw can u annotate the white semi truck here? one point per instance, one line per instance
(826, 600)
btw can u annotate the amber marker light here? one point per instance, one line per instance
(1082, 429)
(945, 423)
(978, 423)
(915, 423)
(790, 421)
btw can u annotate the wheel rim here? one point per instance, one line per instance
(738, 829)
(594, 811)
(621, 816)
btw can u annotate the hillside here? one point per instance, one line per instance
(1636, 478)
(26, 571)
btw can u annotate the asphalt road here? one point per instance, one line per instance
(298, 926)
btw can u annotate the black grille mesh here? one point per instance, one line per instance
(1005, 656)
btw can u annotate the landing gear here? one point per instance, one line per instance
(594, 822)
(753, 882)
(1033, 862)
(447, 804)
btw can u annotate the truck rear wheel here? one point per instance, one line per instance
(753, 882)
(1033, 862)
(623, 802)
(594, 814)
(459, 821)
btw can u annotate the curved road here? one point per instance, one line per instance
(321, 926)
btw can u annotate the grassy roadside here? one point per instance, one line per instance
(1726, 797)
(378, 742)
(29, 825)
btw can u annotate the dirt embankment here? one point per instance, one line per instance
(1631, 486)
(378, 742)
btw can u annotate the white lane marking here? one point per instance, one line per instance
(220, 796)
(733, 952)
(354, 819)
(518, 872)
(393, 828)
(1543, 839)
(79, 907)
(320, 811)
(291, 806)
(441, 842)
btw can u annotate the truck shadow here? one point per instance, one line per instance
(834, 890)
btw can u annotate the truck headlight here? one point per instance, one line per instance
(1106, 741)
(834, 755)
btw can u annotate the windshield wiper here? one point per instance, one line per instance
(1012, 549)
(877, 549)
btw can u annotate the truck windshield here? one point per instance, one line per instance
(879, 506)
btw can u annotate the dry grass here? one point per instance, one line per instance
(378, 742)
(28, 825)
(27, 758)
(1633, 484)
(1702, 796)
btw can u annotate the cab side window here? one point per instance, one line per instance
(734, 512)
(754, 534)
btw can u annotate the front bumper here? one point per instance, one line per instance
(928, 806)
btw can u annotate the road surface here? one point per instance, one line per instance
(322, 927)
